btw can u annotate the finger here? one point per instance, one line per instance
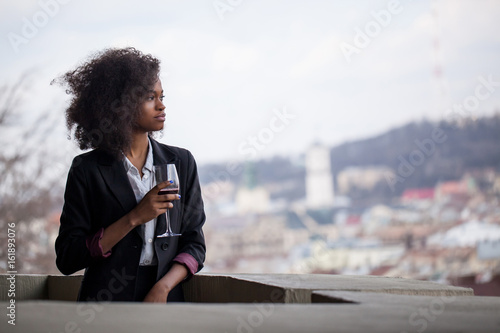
(169, 197)
(163, 184)
(165, 206)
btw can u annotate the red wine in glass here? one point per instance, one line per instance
(168, 191)
(167, 172)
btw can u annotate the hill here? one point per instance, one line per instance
(432, 151)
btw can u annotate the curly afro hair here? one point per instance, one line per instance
(107, 91)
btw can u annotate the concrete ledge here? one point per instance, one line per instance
(242, 288)
(298, 288)
(374, 313)
(64, 288)
(227, 289)
(323, 303)
(27, 287)
(42, 287)
(427, 313)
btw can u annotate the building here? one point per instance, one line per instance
(319, 181)
(361, 177)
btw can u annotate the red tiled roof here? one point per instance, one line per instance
(418, 193)
(452, 188)
(353, 220)
(380, 271)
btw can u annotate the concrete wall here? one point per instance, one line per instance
(256, 303)
(240, 288)
(41, 287)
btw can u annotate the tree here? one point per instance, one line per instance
(28, 185)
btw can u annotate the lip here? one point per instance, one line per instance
(161, 117)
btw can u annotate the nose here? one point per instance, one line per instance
(160, 106)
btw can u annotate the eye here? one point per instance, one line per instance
(162, 97)
(151, 98)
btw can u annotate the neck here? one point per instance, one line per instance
(139, 145)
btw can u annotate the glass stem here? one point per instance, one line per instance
(169, 231)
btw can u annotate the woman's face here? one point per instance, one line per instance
(152, 115)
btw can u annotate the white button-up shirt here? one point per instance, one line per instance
(141, 187)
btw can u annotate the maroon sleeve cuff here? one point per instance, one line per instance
(187, 260)
(94, 245)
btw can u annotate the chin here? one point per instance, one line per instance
(155, 128)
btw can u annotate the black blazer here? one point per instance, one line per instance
(97, 194)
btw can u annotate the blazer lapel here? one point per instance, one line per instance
(162, 156)
(115, 177)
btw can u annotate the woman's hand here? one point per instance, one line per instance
(153, 204)
(150, 207)
(157, 294)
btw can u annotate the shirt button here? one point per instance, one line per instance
(146, 261)
(145, 176)
(150, 240)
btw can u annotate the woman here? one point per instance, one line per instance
(112, 210)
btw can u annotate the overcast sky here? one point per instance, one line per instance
(285, 73)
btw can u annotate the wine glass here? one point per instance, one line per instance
(167, 172)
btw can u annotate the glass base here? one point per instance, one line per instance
(168, 234)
